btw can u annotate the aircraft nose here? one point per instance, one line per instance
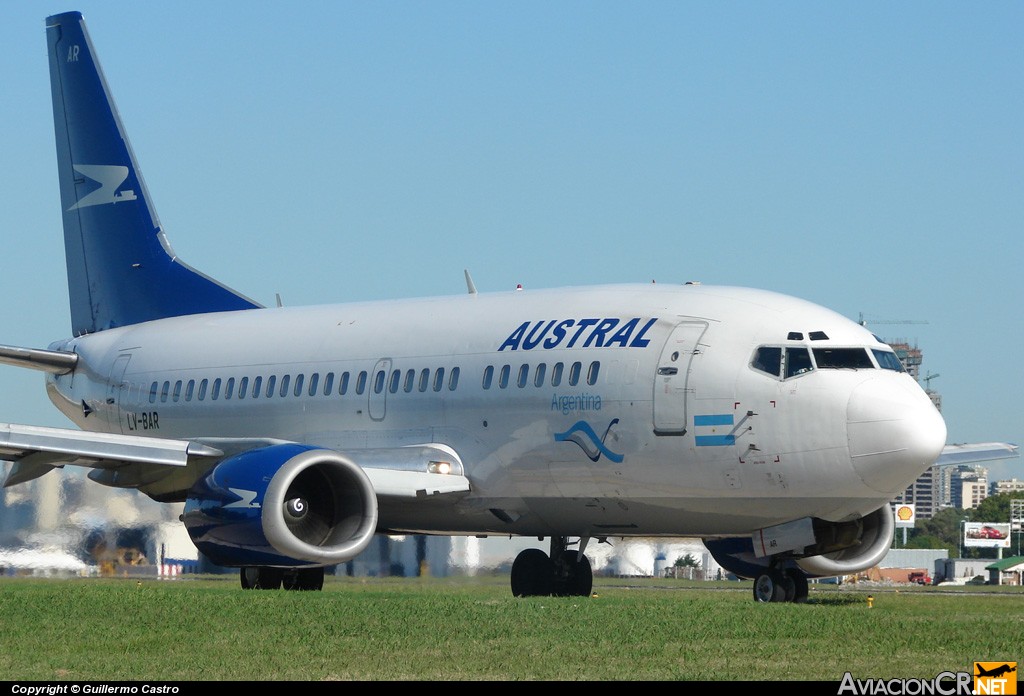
(895, 432)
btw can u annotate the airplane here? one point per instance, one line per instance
(995, 671)
(774, 429)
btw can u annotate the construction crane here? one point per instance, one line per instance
(864, 321)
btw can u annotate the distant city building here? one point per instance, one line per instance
(969, 494)
(1008, 486)
(923, 494)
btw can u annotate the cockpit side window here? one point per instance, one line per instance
(837, 358)
(798, 361)
(768, 359)
(887, 360)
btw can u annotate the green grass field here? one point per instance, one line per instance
(473, 629)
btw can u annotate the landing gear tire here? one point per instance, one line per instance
(261, 578)
(304, 579)
(578, 577)
(798, 582)
(769, 587)
(533, 574)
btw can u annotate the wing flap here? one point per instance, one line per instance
(37, 449)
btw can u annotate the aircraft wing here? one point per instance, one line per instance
(977, 452)
(130, 460)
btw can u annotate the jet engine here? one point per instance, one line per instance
(837, 548)
(285, 505)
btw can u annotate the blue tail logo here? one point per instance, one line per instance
(584, 436)
(109, 177)
(121, 267)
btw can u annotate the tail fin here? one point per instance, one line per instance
(121, 269)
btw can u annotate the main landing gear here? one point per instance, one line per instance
(267, 578)
(563, 573)
(780, 585)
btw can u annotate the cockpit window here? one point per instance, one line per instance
(798, 361)
(836, 358)
(887, 360)
(768, 359)
(778, 361)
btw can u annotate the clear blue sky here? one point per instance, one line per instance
(866, 156)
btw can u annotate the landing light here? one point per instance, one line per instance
(435, 467)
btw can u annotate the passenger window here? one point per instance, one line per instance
(257, 386)
(538, 379)
(328, 383)
(768, 359)
(410, 380)
(314, 382)
(556, 374)
(424, 379)
(378, 381)
(215, 393)
(190, 389)
(503, 376)
(177, 391)
(343, 384)
(202, 389)
(243, 387)
(271, 383)
(152, 393)
(488, 377)
(361, 382)
(163, 392)
(438, 379)
(798, 361)
(285, 381)
(453, 379)
(396, 376)
(595, 368)
(300, 379)
(524, 373)
(229, 387)
(574, 374)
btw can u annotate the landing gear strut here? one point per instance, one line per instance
(780, 585)
(266, 578)
(563, 573)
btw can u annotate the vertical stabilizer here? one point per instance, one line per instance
(121, 269)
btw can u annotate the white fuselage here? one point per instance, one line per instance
(664, 428)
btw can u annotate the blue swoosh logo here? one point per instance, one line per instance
(583, 435)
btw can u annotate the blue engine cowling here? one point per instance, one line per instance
(284, 505)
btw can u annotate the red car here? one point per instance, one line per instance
(986, 532)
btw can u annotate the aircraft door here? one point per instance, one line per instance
(673, 383)
(117, 392)
(378, 389)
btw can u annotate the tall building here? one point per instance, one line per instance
(968, 486)
(924, 494)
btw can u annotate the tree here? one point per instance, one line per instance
(687, 561)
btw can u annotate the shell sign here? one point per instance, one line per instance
(904, 515)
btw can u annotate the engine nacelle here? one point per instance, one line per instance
(284, 505)
(869, 539)
(840, 548)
